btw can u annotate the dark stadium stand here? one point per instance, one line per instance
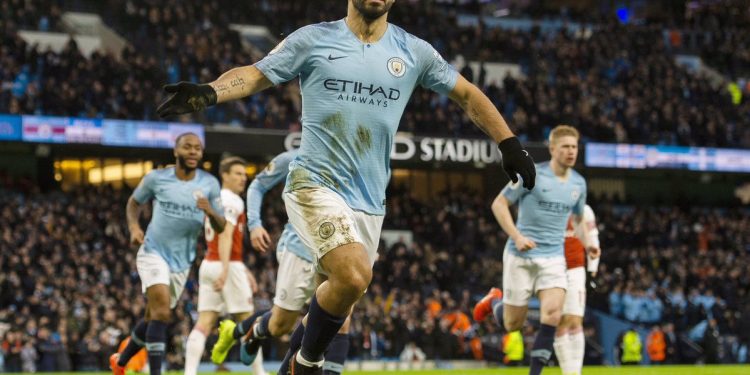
(620, 85)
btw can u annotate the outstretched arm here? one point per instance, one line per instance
(481, 111)
(188, 97)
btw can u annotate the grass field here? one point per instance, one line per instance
(660, 370)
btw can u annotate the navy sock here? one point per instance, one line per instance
(295, 342)
(137, 341)
(336, 355)
(244, 327)
(542, 350)
(156, 344)
(497, 310)
(320, 330)
(261, 330)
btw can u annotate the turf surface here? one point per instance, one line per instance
(656, 370)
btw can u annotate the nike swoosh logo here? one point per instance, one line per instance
(331, 58)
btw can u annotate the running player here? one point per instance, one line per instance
(534, 258)
(295, 282)
(223, 281)
(570, 345)
(356, 76)
(183, 196)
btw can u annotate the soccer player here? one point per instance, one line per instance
(295, 282)
(182, 197)
(534, 258)
(580, 239)
(223, 281)
(356, 76)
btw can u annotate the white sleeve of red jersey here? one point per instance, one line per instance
(589, 225)
(233, 206)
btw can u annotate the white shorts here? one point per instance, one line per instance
(295, 283)
(575, 296)
(524, 277)
(154, 270)
(236, 297)
(324, 222)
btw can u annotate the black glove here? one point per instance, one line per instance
(186, 97)
(517, 161)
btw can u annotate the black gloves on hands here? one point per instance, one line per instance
(186, 97)
(517, 161)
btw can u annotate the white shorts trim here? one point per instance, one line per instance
(295, 281)
(575, 296)
(236, 297)
(153, 270)
(524, 277)
(324, 221)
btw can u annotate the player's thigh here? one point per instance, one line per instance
(237, 293)
(209, 300)
(295, 283)
(154, 273)
(575, 295)
(518, 280)
(349, 264)
(324, 223)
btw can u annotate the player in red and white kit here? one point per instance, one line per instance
(580, 240)
(224, 281)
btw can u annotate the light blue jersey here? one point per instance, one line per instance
(176, 221)
(276, 171)
(353, 96)
(543, 212)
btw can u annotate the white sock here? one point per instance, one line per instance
(577, 345)
(303, 361)
(258, 364)
(562, 351)
(196, 342)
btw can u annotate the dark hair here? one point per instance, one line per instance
(183, 135)
(227, 163)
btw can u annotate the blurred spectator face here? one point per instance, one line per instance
(188, 151)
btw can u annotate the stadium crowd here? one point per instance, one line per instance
(68, 288)
(620, 85)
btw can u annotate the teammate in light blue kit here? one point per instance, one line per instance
(356, 77)
(534, 257)
(295, 282)
(182, 197)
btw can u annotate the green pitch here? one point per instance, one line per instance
(660, 370)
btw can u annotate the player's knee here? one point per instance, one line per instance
(512, 323)
(279, 327)
(355, 282)
(551, 316)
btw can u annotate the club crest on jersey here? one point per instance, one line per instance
(198, 194)
(326, 230)
(575, 194)
(397, 67)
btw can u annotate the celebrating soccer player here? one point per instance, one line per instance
(182, 197)
(580, 238)
(295, 283)
(534, 259)
(356, 76)
(223, 279)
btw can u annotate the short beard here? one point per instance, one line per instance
(182, 163)
(369, 14)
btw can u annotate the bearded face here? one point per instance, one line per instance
(372, 9)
